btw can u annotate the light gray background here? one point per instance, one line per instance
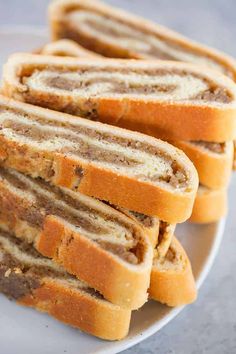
(209, 325)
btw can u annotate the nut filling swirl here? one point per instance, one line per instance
(22, 269)
(89, 24)
(32, 200)
(118, 82)
(133, 157)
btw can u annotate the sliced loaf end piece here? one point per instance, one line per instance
(172, 281)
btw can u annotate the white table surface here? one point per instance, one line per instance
(209, 325)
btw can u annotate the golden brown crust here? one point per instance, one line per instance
(78, 309)
(127, 190)
(66, 47)
(162, 119)
(173, 287)
(150, 199)
(191, 123)
(210, 205)
(214, 169)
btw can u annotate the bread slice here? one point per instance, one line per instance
(116, 33)
(172, 281)
(98, 244)
(213, 161)
(210, 205)
(127, 169)
(35, 281)
(66, 47)
(169, 100)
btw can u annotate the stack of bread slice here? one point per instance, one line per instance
(89, 203)
(104, 255)
(178, 102)
(192, 121)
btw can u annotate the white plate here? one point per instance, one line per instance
(24, 330)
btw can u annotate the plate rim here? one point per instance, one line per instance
(43, 32)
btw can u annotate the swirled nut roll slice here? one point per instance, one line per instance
(66, 47)
(169, 100)
(117, 33)
(90, 239)
(172, 281)
(127, 169)
(213, 161)
(35, 281)
(210, 205)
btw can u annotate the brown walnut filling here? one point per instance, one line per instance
(19, 277)
(82, 82)
(34, 213)
(151, 43)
